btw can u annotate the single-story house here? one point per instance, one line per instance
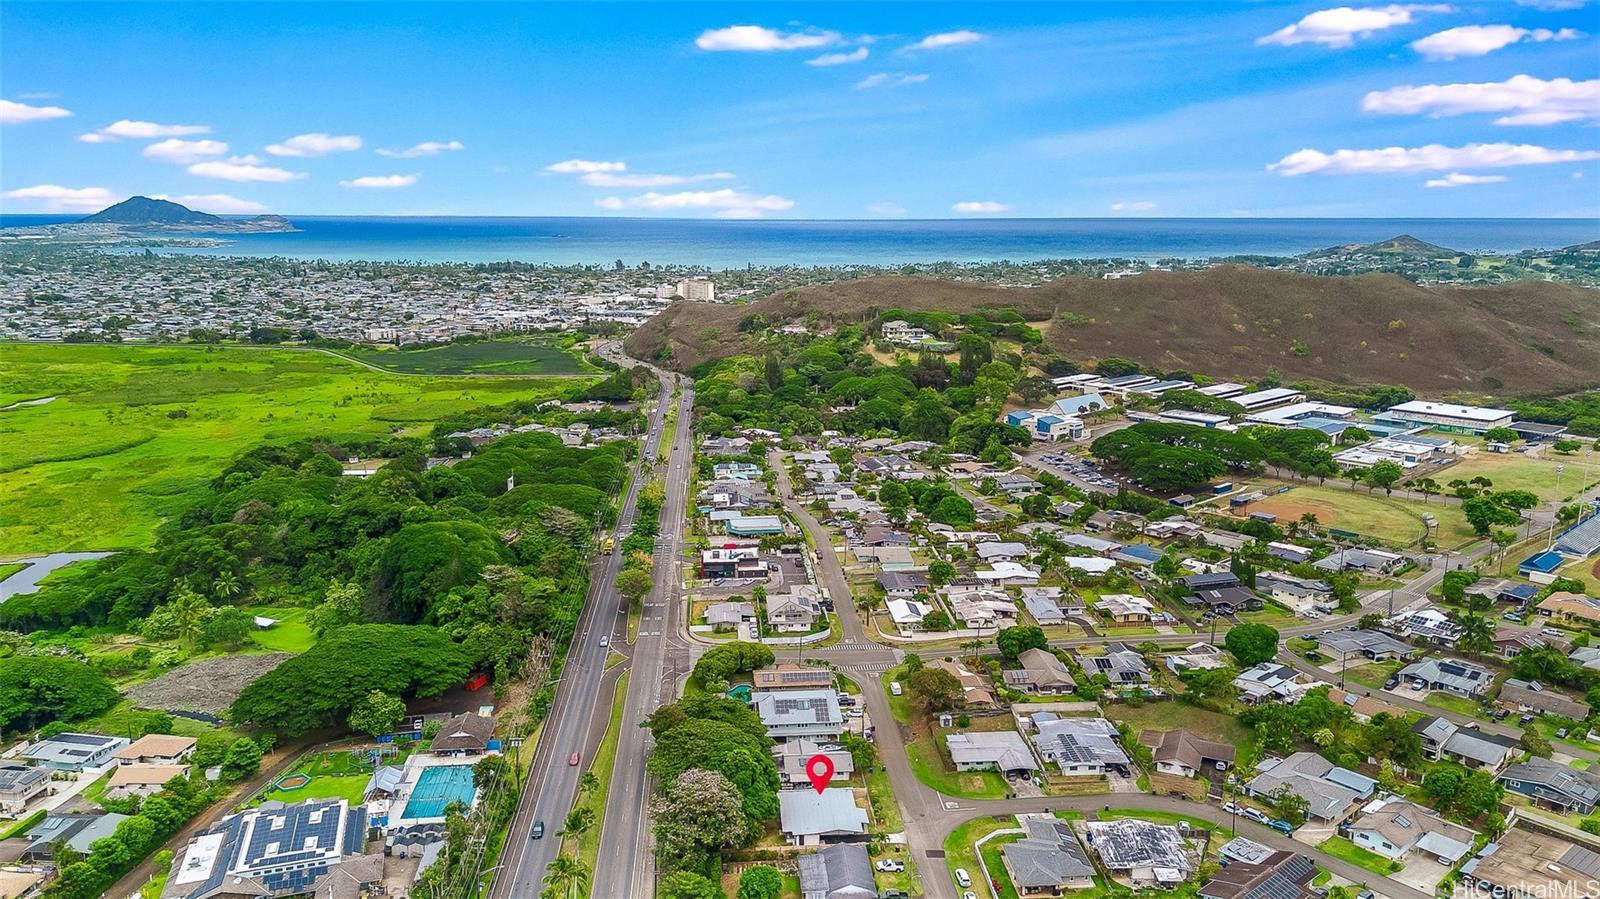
(1224, 601)
(1567, 606)
(128, 781)
(1553, 785)
(1532, 696)
(1122, 666)
(1280, 875)
(1004, 751)
(1371, 561)
(1449, 675)
(1186, 755)
(19, 785)
(902, 584)
(1142, 852)
(1125, 608)
(810, 818)
(727, 616)
(1042, 672)
(73, 752)
(1089, 564)
(791, 676)
(791, 758)
(976, 687)
(1363, 644)
(1331, 792)
(1002, 552)
(1298, 593)
(1395, 828)
(1271, 682)
(839, 871)
(1049, 860)
(1044, 604)
(982, 608)
(77, 831)
(1201, 656)
(1012, 574)
(464, 734)
(1364, 708)
(1431, 624)
(1079, 746)
(156, 749)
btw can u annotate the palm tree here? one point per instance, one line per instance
(569, 876)
(189, 611)
(226, 585)
(1309, 521)
(578, 821)
(588, 783)
(1477, 637)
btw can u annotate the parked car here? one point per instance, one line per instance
(890, 865)
(1231, 807)
(963, 878)
(1512, 616)
(1256, 815)
(1525, 720)
(895, 688)
(1391, 683)
(1281, 826)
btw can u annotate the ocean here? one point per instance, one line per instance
(720, 244)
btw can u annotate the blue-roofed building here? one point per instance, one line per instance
(1020, 418)
(1542, 568)
(313, 847)
(1080, 405)
(1057, 427)
(1140, 554)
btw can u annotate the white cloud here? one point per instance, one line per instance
(1431, 158)
(1342, 26)
(380, 182)
(1554, 5)
(839, 59)
(1134, 206)
(126, 129)
(890, 79)
(727, 202)
(755, 38)
(315, 144)
(426, 148)
(1481, 40)
(243, 171)
(13, 113)
(980, 207)
(946, 39)
(584, 166)
(887, 208)
(55, 198)
(614, 179)
(1526, 99)
(178, 150)
(216, 204)
(1456, 179)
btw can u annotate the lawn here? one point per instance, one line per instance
(604, 760)
(885, 809)
(1343, 849)
(1271, 614)
(1173, 715)
(899, 706)
(1514, 471)
(1453, 703)
(334, 775)
(927, 762)
(137, 432)
(513, 356)
(994, 860)
(960, 851)
(1370, 514)
(1373, 674)
(290, 634)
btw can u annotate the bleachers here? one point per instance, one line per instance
(1582, 539)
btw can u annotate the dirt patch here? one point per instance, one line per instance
(208, 686)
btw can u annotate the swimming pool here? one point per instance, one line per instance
(436, 788)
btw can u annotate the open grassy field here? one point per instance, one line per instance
(1371, 514)
(1514, 471)
(1343, 849)
(290, 634)
(1172, 715)
(515, 356)
(135, 432)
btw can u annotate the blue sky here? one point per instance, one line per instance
(806, 110)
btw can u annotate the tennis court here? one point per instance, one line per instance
(436, 788)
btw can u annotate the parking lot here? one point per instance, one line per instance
(1071, 469)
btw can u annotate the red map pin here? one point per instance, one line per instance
(819, 769)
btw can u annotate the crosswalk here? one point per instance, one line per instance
(865, 667)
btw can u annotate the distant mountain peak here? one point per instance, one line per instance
(148, 211)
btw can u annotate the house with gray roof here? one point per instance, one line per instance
(1553, 786)
(1444, 739)
(1048, 860)
(1079, 746)
(810, 818)
(1330, 792)
(1364, 644)
(77, 832)
(1142, 852)
(19, 785)
(1449, 675)
(1532, 696)
(840, 871)
(1279, 875)
(792, 714)
(1044, 604)
(1002, 552)
(1004, 751)
(791, 758)
(1041, 672)
(1396, 828)
(1121, 666)
(74, 752)
(727, 616)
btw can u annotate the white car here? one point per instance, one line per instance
(1231, 808)
(963, 878)
(890, 865)
(605, 640)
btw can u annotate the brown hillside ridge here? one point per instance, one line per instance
(1516, 339)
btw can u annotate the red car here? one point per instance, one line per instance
(573, 760)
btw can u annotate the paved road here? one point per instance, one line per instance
(552, 783)
(660, 657)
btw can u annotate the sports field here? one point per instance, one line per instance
(521, 356)
(1514, 471)
(1370, 514)
(134, 432)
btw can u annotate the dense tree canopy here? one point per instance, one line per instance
(36, 690)
(1252, 643)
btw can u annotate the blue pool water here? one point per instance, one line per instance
(436, 788)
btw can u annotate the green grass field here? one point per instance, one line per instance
(290, 634)
(927, 762)
(1514, 471)
(1172, 715)
(334, 775)
(605, 757)
(136, 432)
(519, 356)
(1373, 674)
(1343, 849)
(1371, 514)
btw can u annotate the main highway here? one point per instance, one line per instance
(552, 783)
